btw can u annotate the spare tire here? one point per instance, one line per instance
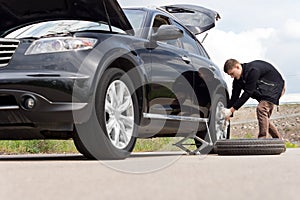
(250, 147)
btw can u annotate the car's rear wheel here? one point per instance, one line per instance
(219, 129)
(112, 134)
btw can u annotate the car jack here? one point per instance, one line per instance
(204, 144)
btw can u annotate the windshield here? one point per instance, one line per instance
(61, 26)
(136, 19)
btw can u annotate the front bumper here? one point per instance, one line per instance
(54, 100)
(14, 111)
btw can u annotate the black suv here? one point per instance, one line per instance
(104, 76)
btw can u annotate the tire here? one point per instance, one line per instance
(219, 130)
(80, 147)
(217, 127)
(250, 147)
(111, 131)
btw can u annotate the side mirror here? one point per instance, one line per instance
(167, 32)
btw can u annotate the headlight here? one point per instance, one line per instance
(60, 44)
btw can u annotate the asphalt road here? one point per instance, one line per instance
(152, 176)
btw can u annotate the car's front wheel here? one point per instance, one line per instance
(112, 134)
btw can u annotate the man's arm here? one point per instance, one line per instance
(236, 91)
(250, 87)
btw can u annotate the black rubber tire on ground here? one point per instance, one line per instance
(91, 138)
(80, 147)
(250, 147)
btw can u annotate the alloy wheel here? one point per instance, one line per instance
(119, 114)
(221, 124)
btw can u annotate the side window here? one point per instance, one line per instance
(188, 41)
(203, 51)
(136, 18)
(158, 21)
(163, 20)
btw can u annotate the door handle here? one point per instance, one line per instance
(186, 59)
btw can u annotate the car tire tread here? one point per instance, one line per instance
(250, 147)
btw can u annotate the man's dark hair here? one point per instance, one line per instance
(229, 64)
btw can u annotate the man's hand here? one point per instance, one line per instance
(226, 112)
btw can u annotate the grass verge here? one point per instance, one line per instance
(37, 146)
(155, 144)
(291, 145)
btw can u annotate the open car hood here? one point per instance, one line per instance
(16, 13)
(198, 19)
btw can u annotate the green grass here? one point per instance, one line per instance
(161, 144)
(67, 146)
(248, 136)
(37, 146)
(154, 144)
(291, 145)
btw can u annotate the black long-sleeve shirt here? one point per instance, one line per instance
(253, 74)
